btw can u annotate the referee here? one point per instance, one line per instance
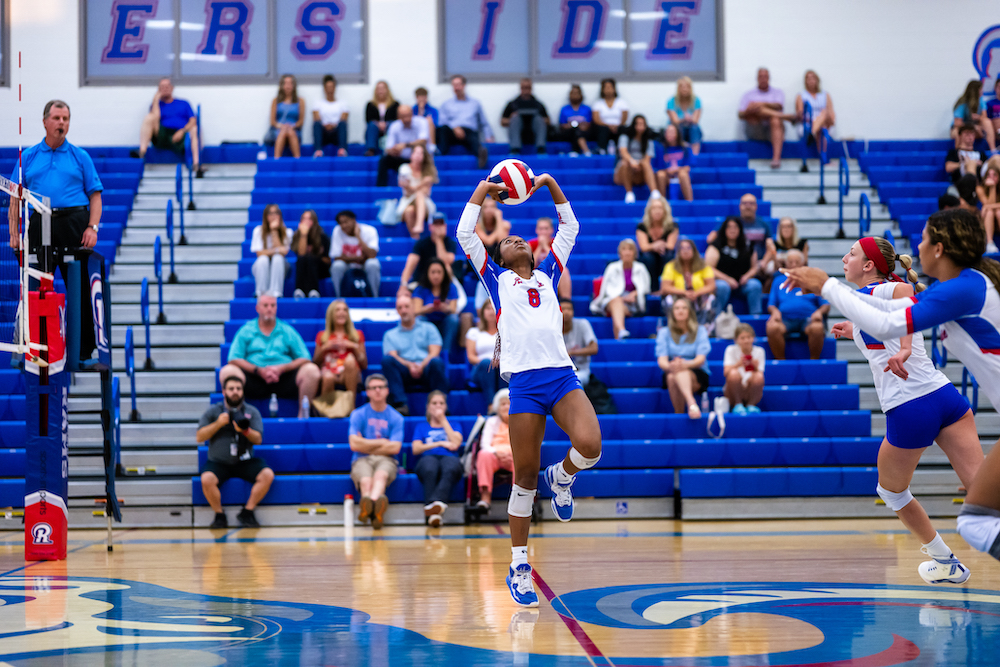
(57, 169)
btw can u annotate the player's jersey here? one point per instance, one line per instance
(966, 307)
(529, 318)
(892, 390)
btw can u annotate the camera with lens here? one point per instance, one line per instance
(239, 419)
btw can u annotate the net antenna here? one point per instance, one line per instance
(22, 343)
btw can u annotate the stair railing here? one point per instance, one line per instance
(161, 318)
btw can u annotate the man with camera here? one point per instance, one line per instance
(232, 428)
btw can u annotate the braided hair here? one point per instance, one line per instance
(963, 238)
(889, 253)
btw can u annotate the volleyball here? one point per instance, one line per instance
(518, 178)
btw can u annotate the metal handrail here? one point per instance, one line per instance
(179, 194)
(864, 214)
(158, 271)
(823, 160)
(189, 163)
(144, 313)
(130, 371)
(888, 236)
(969, 379)
(939, 355)
(172, 278)
(843, 189)
(807, 120)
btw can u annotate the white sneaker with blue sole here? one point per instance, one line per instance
(944, 571)
(522, 588)
(562, 495)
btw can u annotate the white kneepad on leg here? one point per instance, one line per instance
(581, 461)
(895, 501)
(521, 502)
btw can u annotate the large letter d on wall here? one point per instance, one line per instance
(576, 37)
(229, 21)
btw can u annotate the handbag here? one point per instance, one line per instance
(334, 404)
(387, 211)
(718, 414)
(726, 323)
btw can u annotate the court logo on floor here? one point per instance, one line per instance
(797, 623)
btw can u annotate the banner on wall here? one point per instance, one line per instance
(222, 41)
(569, 39)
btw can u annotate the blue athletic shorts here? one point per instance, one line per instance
(537, 391)
(915, 424)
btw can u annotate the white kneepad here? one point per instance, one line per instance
(581, 461)
(521, 502)
(895, 501)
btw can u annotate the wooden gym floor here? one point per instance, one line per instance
(821, 593)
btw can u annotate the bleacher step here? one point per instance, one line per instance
(179, 313)
(140, 464)
(192, 219)
(202, 186)
(203, 273)
(212, 171)
(822, 213)
(196, 236)
(809, 196)
(774, 181)
(137, 252)
(151, 408)
(152, 383)
(206, 202)
(172, 334)
(129, 293)
(173, 491)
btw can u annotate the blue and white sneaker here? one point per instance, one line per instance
(943, 571)
(562, 495)
(522, 588)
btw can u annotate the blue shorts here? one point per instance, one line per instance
(537, 391)
(915, 424)
(796, 326)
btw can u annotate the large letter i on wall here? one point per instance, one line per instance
(319, 34)
(575, 14)
(128, 23)
(229, 21)
(483, 47)
(668, 41)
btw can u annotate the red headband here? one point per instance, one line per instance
(870, 248)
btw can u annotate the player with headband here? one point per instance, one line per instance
(533, 360)
(920, 404)
(965, 303)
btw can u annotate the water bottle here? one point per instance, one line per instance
(306, 408)
(273, 405)
(348, 510)
(704, 402)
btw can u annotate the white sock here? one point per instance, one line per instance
(518, 556)
(562, 476)
(936, 548)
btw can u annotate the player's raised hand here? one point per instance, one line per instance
(541, 180)
(495, 189)
(808, 278)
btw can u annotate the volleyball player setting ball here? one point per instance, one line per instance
(533, 359)
(921, 406)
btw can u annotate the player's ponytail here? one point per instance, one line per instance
(906, 262)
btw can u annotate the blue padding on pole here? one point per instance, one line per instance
(864, 214)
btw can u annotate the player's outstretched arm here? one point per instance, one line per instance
(546, 180)
(466, 233)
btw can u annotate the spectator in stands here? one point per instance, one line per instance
(462, 119)
(821, 103)
(610, 114)
(788, 239)
(684, 112)
(168, 121)
(992, 120)
(756, 230)
(271, 358)
(411, 356)
(988, 194)
(429, 114)
(763, 110)
(677, 165)
(581, 343)
(439, 446)
(656, 236)
(480, 343)
(404, 134)
(375, 436)
(690, 277)
(681, 350)
(575, 123)
(270, 243)
(436, 301)
(795, 313)
(340, 350)
(288, 113)
(527, 120)
(354, 246)
(231, 429)
(624, 288)
(379, 113)
(416, 179)
(540, 247)
(743, 366)
(967, 113)
(736, 267)
(964, 158)
(495, 452)
(436, 245)
(329, 120)
(635, 159)
(311, 246)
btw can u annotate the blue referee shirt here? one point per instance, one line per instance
(66, 174)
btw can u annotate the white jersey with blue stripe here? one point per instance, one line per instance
(893, 390)
(529, 317)
(967, 308)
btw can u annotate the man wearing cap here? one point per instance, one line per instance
(438, 244)
(403, 135)
(57, 169)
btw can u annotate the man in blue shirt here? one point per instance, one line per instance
(271, 358)
(575, 122)
(404, 134)
(57, 169)
(423, 109)
(411, 356)
(462, 119)
(795, 313)
(168, 120)
(375, 436)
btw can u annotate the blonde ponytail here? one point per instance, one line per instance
(907, 263)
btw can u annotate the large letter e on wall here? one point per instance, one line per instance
(128, 24)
